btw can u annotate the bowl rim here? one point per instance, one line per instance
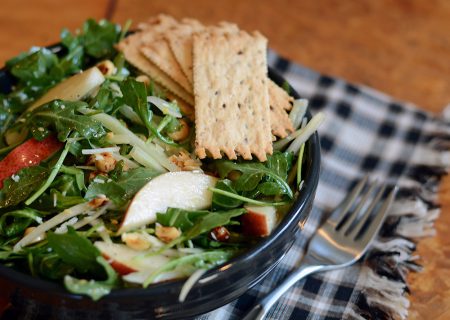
(292, 216)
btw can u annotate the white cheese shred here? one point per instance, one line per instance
(100, 150)
(189, 284)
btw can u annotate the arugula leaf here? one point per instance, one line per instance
(124, 188)
(55, 201)
(280, 163)
(220, 201)
(179, 218)
(50, 265)
(205, 223)
(62, 114)
(135, 96)
(99, 38)
(28, 180)
(213, 220)
(75, 250)
(203, 260)
(92, 288)
(36, 67)
(274, 170)
(15, 222)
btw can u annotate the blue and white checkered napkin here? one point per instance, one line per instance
(365, 132)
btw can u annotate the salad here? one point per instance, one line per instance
(99, 185)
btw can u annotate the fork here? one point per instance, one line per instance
(339, 242)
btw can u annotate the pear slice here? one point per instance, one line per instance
(74, 88)
(126, 260)
(183, 189)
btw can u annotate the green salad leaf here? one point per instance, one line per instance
(268, 178)
(15, 222)
(75, 250)
(179, 218)
(94, 288)
(24, 183)
(64, 116)
(122, 188)
(204, 260)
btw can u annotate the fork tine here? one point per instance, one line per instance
(354, 215)
(363, 220)
(339, 213)
(375, 225)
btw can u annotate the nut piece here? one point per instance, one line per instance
(94, 174)
(182, 133)
(136, 241)
(185, 161)
(167, 234)
(104, 162)
(220, 234)
(144, 79)
(106, 67)
(97, 202)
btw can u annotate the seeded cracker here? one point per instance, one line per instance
(280, 102)
(180, 42)
(130, 47)
(157, 50)
(232, 113)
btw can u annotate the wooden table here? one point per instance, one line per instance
(400, 47)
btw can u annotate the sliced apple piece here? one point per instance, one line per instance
(74, 88)
(183, 189)
(259, 221)
(29, 153)
(126, 260)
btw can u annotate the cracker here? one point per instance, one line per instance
(158, 52)
(280, 102)
(180, 42)
(130, 47)
(232, 102)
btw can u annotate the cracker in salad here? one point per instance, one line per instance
(231, 95)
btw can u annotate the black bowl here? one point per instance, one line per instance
(34, 298)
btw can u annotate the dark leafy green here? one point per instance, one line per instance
(179, 218)
(275, 171)
(123, 188)
(75, 250)
(64, 117)
(15, 222)
(205, 223)
(26, 181)
(94, 288)
(135, 96)
(204, 260)
(220, 201)
(99, 38)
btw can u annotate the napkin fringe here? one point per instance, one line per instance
(411, 217)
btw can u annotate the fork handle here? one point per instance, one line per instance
(260, 310)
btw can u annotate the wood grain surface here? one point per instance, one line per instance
(400, 47)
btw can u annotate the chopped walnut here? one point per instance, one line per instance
(136, 241)
(185, 161)
(104, 162)
(167, 234)
(97, 202)
(182, 133)
(144, 79)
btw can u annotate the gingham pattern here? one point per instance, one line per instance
(365, 131)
